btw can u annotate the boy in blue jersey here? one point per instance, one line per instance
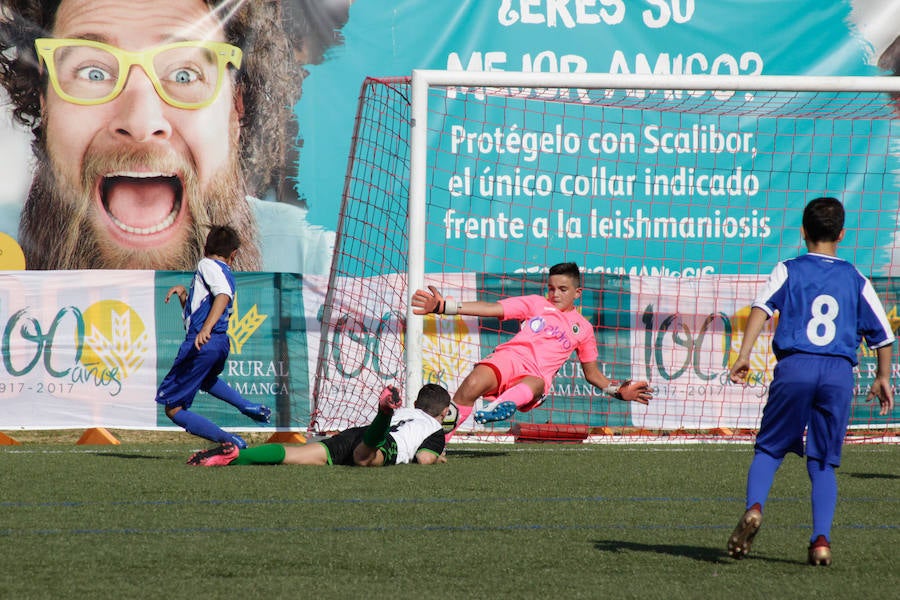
(826, 307)
(201, 357)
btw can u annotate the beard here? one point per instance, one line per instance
(62, 226)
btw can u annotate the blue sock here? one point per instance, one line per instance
(760, 477)
(202, 427)
(223, 391)
(823, 496)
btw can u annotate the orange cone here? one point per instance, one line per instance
(5, 440)
(286, 437)
(97, 436)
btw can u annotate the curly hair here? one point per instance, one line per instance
(269, 80)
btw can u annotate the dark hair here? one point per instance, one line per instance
(570, 269)
(269, 79)
(221, 240)
(823, 220)
(433, 399)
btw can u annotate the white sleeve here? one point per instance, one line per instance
(215, 278)
(776, 279)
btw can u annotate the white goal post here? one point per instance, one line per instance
(676, 195)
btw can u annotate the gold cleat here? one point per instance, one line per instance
(742, 536)
(820, 552)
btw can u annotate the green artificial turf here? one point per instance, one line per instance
(496, 521)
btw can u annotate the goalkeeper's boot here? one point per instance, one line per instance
(742, 536)
(219, 456)
(820, 552)
(258, 412)
(501, 412)
(389, 400)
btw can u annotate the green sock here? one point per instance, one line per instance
(267, 454)
(376, 432)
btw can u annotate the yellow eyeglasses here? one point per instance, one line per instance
(184, 74)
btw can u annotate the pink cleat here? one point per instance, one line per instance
(219, 456)
(389, 400)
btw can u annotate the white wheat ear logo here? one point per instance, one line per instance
(241, 327)
(120, 350)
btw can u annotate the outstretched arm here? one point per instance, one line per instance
(433, 302)
(630, 391)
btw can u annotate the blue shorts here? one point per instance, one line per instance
(193, 370)
(808, 392)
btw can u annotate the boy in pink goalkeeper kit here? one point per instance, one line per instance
(547, 338)
(519, 372)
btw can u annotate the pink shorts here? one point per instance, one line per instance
(510, 368)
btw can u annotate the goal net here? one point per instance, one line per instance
(676, 196)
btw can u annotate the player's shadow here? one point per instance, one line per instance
(700, 553)
(873, 475)
(474, 454)
(121, 455)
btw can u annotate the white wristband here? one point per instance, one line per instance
(451, 307)
(611, 390)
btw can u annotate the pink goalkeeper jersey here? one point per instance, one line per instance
(547, 338)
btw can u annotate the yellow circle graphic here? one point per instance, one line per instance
(11, 256)
(114, 336)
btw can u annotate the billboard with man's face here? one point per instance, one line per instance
(137, 126)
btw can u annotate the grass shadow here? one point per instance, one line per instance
(129, 456)
(698, 553)
(475, 454)
(873, 475)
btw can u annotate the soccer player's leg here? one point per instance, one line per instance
(258, 412)
(533, 404)
(200, 426)
(824, 501)
(521, 395)
(177, 391)
(215, 353)
(338, 449)
(220, 456)
(376, 432)
(229, 454)
(781, 431)
(311, 454)
(742, 537)
(482, 379)
(828, 422)
(760, 477)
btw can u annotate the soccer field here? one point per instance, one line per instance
(496, 521)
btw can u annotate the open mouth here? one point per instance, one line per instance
(141, 203)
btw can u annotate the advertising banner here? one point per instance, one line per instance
(89, 348)
(79, 349)
(278, 157)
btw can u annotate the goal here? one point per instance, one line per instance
(676, 195)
